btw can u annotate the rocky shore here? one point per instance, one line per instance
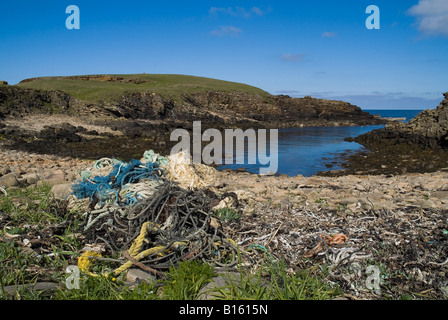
(19, 169)
(418, 146)
(397, 222)
(427, 130)
(351, 192)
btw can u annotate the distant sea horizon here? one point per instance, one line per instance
(394, 113)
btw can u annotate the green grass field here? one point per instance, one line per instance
(166, 85)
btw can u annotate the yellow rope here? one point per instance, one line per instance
(134, 251)
(84, 261)
(138, 257)
(138, 242)
(146, 253)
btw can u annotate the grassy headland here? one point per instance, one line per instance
(108, 87)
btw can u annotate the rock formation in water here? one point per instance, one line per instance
(429, 129)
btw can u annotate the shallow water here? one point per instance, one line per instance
(309, 150)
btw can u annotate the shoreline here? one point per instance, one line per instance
(355, 191)
(397, 223)
(62, 136)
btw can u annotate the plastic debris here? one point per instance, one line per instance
(181, 169)
(156, 211)
(109, 188)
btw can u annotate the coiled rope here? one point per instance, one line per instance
(152, 221)
(172, 225)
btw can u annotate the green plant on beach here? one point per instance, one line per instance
(19, 268)
(321, 201)
(30, 205)
(180, 283)
(227, 214)
(92, 288)
(273, 282)
(185, 281)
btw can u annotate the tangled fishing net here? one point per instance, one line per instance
(114, 181)
(119, 185)
(181, 169)
(156, 211)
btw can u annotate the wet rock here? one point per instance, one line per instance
(92, 132)
(60, 133)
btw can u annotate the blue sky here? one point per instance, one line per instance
(318, 48)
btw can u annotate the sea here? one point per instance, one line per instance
(308, 150)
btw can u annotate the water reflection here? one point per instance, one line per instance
(307, 150)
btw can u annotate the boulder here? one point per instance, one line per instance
(9, 180)
(137, 275)
(53, 179)
(4, 170)
(64, 133)
(31, 178)
(209, 291)
(61, 191)
(56, 175)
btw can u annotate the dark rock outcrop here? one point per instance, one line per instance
(15, 101)
(210, 107)
(144, 119)
(429, 129)
(64, 132)
(276, 111)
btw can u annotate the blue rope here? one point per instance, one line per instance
(104, 188)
